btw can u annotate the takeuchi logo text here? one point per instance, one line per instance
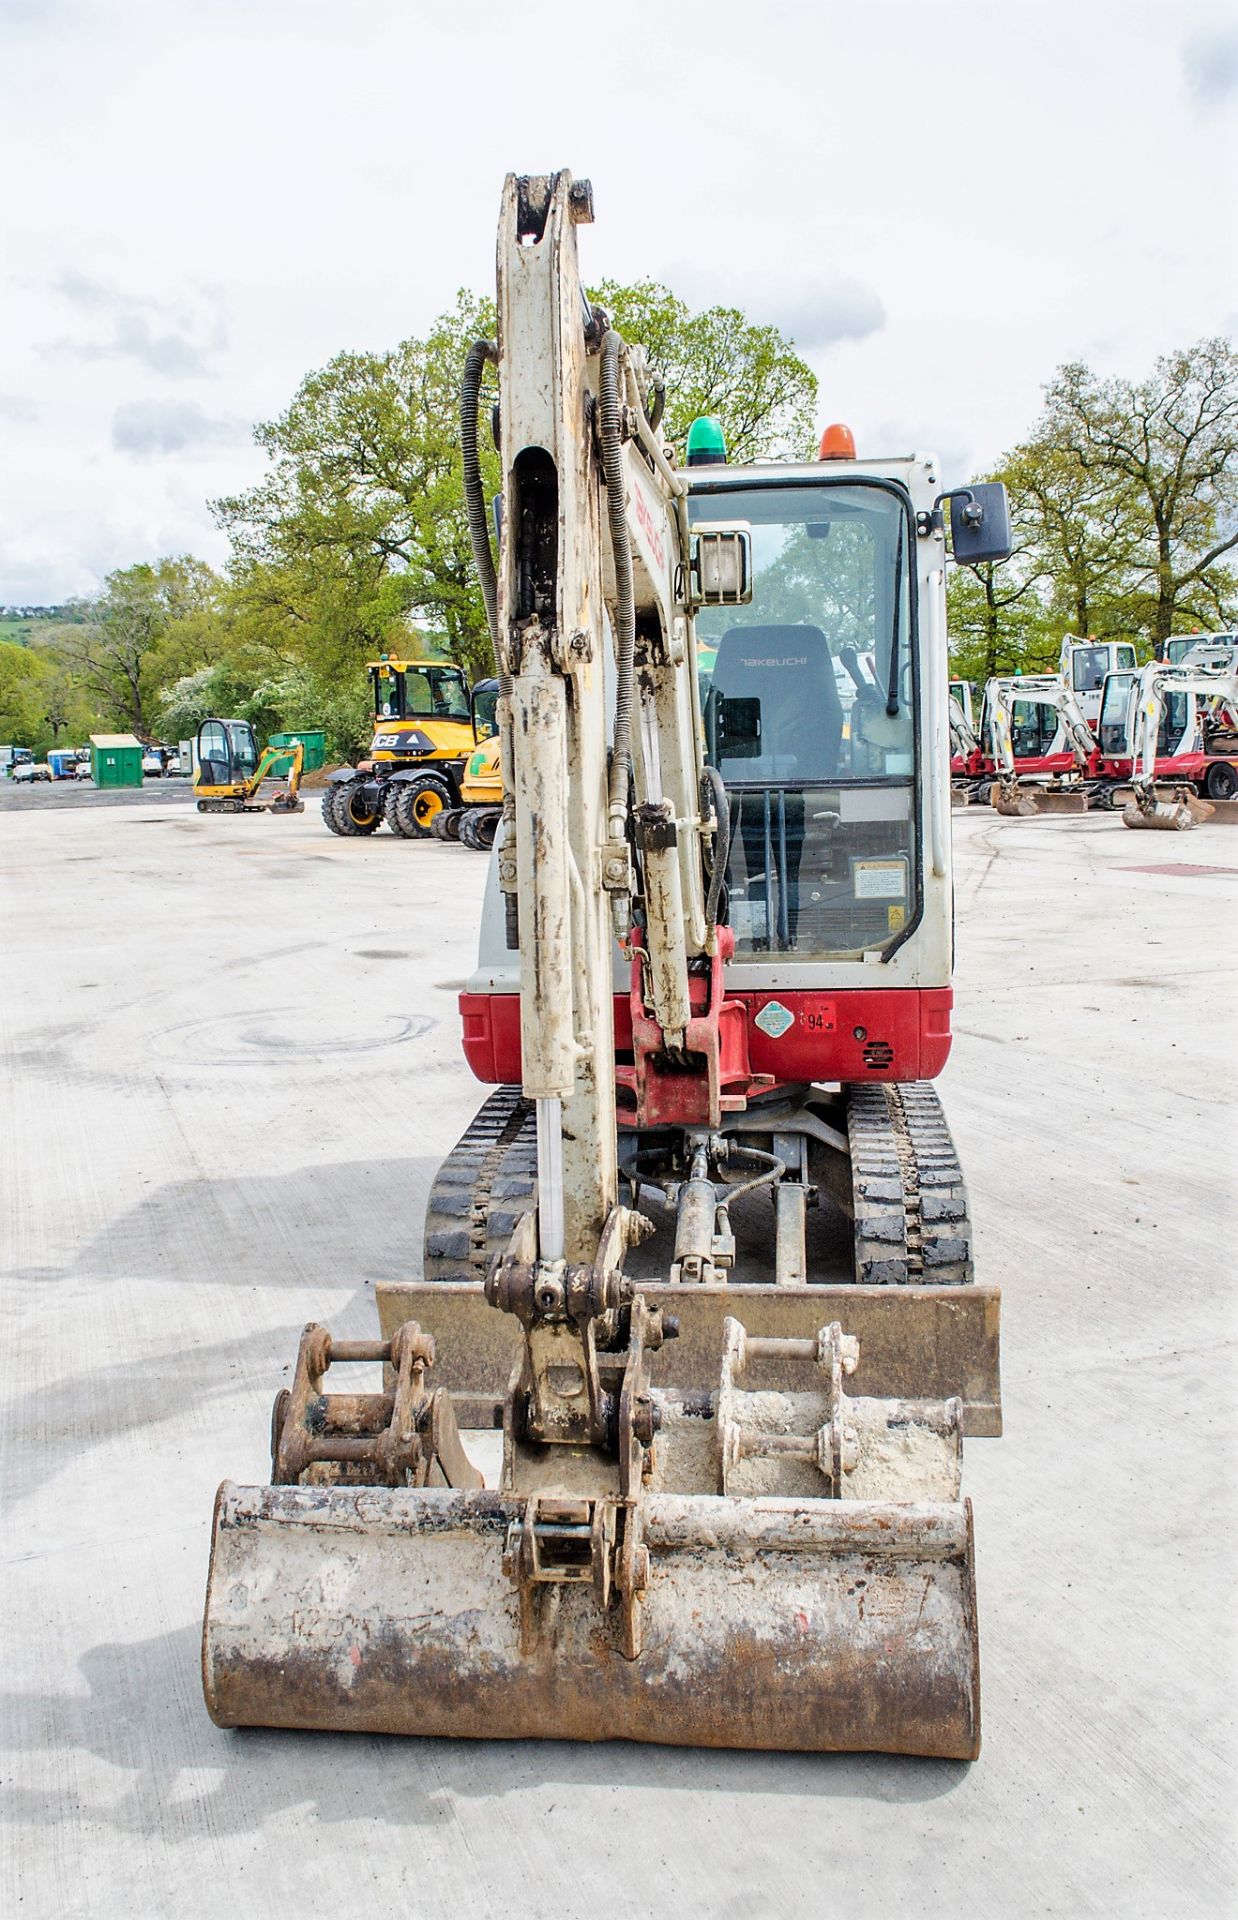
(645, 521)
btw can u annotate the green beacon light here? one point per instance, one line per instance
(706, 442)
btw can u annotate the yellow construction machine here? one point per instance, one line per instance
(423, 732)
(230, 776)
(475, 820)
(713, 989)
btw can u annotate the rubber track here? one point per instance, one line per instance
(483, 1186)
(911, 1221)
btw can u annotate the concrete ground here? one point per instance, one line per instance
(230, 1066)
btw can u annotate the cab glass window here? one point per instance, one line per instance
(435, 693)
(1114, 708)
(808, 698)
(1089, 666)
(1033, 726)
(388, 693)
(244, 750)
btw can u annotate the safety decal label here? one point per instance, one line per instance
(880, 879)
(774, 1019)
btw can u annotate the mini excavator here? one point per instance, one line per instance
(712, 993)
(231, 776)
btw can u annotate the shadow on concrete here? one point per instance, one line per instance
(319, 1226)
(143, 1716)
(292, 1240)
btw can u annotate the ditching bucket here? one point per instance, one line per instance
(1177, 815)
(738, 1552)
(775, 1623)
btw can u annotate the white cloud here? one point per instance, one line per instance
(1210, 61)
(147, 427)
(174, 342)
(815, 310)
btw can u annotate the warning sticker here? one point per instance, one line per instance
(896, 918)
(880, 879)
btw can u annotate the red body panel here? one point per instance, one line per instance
(1192, 767)
(981, 766)
(905, 1033)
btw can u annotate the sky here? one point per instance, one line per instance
(206, 199)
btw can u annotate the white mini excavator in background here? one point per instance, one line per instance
(713, 989)
(1209, 677)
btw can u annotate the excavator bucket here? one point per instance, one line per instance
(393, 1611)
(1175, 815)
(787, 1568)
(1012, 800)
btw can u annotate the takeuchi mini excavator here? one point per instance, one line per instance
(1204, 688)
(703, 1258)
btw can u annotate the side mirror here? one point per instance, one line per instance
(979, 523)
(722, 565)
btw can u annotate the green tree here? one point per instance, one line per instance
(997, 621)
(359, 529)
(1166, 446)
(361, 523)
(23, 676)
(1082, 527)
(113, 651)
(719, 362)
(997, 612)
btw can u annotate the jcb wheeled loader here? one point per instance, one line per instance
(713, 988)
(424, 729)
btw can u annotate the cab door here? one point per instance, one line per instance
(214, 755)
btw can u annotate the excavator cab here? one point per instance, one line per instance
(227, 756)
(483, 705)
(232, 776)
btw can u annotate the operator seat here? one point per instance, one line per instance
(790, 671)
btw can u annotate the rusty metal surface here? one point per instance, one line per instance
(930, 1343)
(767, 1623)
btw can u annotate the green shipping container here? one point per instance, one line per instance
(314, 744)
(115, 760)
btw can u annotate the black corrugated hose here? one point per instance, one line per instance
(481, 352)
(610, 415)
(716, 806)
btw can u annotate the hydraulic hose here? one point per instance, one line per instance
(610, 413)
(716, 806)
(774, 1168)
(481, 352)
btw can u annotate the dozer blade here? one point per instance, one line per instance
(766, 1622)
(1061, 800)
